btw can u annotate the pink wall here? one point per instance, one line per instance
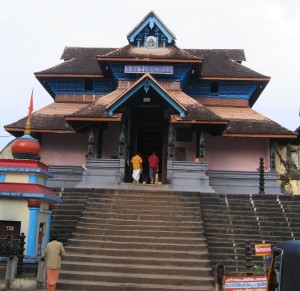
(236, 154)
(190, 148)
(110, 145)
(64, 149)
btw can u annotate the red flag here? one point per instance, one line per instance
(30, 105)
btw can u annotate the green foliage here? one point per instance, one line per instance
(291, 172)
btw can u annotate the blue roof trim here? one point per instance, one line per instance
(149, 21)
(126, 96)
(168, 99)
(27, 170)
(30, 195)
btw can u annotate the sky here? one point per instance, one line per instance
(34, 33)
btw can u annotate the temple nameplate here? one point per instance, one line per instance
(142, 69)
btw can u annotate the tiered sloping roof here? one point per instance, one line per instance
(216, 64)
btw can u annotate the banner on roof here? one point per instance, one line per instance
(255, 283)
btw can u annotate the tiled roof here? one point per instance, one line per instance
(196, 112)
(223, 63)
(248, 122)
(133, 53)
(78, 61)
(50, 118)
(219, 63)
(97, 109)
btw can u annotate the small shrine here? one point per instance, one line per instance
(25, 201)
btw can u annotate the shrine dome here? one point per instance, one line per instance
(26, 147)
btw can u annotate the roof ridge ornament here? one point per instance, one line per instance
(146, 85)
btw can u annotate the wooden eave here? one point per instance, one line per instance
(95, 119)
(150, 60)
(39, 130)
(234, 79)
(260, 135)
(70, 75)
(174, 120)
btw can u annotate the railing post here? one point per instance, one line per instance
(41, 275)
(21, 252)
(11, 270)
(248, 257)
(219, 277)
(261, 176)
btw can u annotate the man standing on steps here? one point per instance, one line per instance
(53, 254)
(137, 167)
(153, 165)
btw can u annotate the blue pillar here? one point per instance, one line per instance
(31, 249)
(2, 177)
(33, 179)
(49, 223)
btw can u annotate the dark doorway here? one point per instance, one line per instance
(147, 131)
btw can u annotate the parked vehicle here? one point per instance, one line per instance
(284, 270)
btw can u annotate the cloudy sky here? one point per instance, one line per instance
(34, 33)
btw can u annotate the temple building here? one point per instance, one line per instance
(192, 106)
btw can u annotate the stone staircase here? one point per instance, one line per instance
(136, 240)
(230, 220)
(65, 215)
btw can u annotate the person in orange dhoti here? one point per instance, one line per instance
(53, 254)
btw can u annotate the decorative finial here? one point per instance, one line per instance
(30, 109)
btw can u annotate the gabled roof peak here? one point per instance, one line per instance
(151, 33)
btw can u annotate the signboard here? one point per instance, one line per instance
(256, 283)
(142, 69)
(263, 250)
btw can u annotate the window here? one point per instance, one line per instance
(184, 134)
(214, 88)
(88, 85)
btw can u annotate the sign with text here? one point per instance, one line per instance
(142, 69)
(256, 283)
(263, 250)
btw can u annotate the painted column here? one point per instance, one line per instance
(171, 142)
(202, 146)
(122, 139)
(31, 249)
(51, 206)
(272, 156)
(91, 143)
(99, 138)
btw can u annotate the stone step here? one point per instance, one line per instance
(141, 226)
(183, 262)
(103, 207)
(84, 229)
(138, 252)
(152, 221)
(137, 245)
(111, 286)
(136, 269)
(149, 239)
(145, 199)
(163, 216)
(121, 278)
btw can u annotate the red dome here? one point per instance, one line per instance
(26, 147)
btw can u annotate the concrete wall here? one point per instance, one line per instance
(64, 149)
(110, 145)
(236, 154)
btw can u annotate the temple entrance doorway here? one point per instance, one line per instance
(147, 135)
